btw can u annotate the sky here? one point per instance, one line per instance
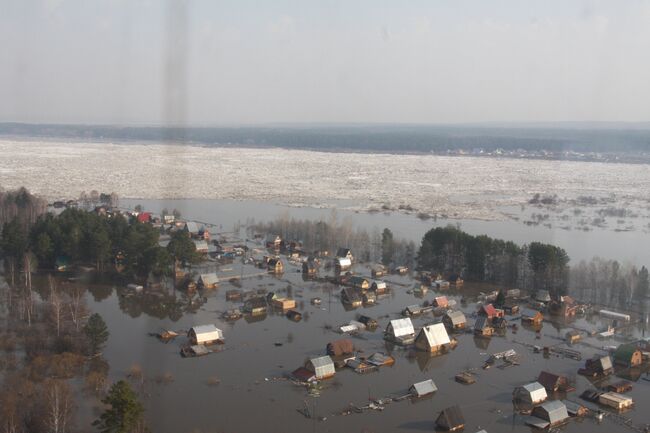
(210, 62)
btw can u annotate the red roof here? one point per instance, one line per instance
(144, 217)
(488, 310)
(441, 301)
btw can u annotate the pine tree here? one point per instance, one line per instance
(125, 412)
(97, 333)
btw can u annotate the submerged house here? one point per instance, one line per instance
(208, 281)
(205, 334)
(344, 253)
(422, 389)
(553, 382)
(342, 264)
(454, 320)
(191, 228)
(359, 282)
(552, 412)
(283, 303)
(340, 347)
(531, 317)
(597, 366)
(573, 336)
(433, 338)
(351, 296)
(441, 302)
(379, 287)
(257, 305)
(201, 246)
(628, 355)
(377, 271)
(482, 327)
(451, 419)
(615, 400)
(533, 393)
(322, 367)
(310, 268)
(275, 266)
(543, 296)
(369, 298)
(488, 310)
(400, 331)
(368, 321)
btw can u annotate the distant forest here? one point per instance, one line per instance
(605, 138)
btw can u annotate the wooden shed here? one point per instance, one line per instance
(531, 317)
(208, 281)
(205, 334)
(340, 347)
(433, 338)
(400, 331)
(597, 366)
(351, 296)
(573, 336)
(454, 320)
(379, 287)
(553, 382)
(451, 419)
(283, 303)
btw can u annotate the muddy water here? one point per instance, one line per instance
(251, 398)
(626, 247)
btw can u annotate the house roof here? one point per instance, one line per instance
(205, 329)
(402, 327)
(451, 417)
(605, 363)
(535, 391)
(340, 347)
(192, 227)
(201, 244)
(424, 388)
(529, 312)
(356, 280)
(351, 293)
(481, 323)
(543, 296)
(489, 310)
(436, 335)
(624, 352)
(207, 333)
(210, 278)
(553, 411)
(256, 302)
(342, 252)
(342, 261)
(441, 301)
(456, 317)
(548, 380)
(323, 366)
(572, 407)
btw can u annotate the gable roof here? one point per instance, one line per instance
(191, 227)
(529, 312)
(625, 352)
(209, 279)
(553, 411)
(424, 388)
(402, 327)
(488, 310)
(343, 252)
(481, 323)
(549, 380)
(457, 317)
(450, 418)
(436, 335)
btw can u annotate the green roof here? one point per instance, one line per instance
(624, 352)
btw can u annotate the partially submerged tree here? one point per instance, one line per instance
(125, 414)
(96, 332)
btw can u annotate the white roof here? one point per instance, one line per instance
(380, 283)
(209, 278)
(425, 387)
(536, 390)
(201, 244)
(344, 261)
(207, 333)
(436, 335)
(402, 327)
(323, 366)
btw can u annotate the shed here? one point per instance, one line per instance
(275, 266)
(255, 305)
(201, 246)
(379, 287)
(342, 264)
(351, 296)
(433, 338)
(573, 336)
(284, 303)
(554, 412)
(359, 282)
(322, 367)
(628, 355)
(340, 347)
(533, 393)
(205, 334)
(441, 301)
(553, 382)
(597, 366)
(482, 326)
(615, 400)
(208, 281)
(451, 419)
(191, 227)
(368, 321)
(575, 409)
(400, 330)
(424, 388)
(454, 320)
(532, 317)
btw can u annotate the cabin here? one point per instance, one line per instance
(573, 336)
(275, 266)
(340, 347)
(205, 334)
(400, 331)
(322, 367)
(440, 302)
(377, 271)
(454, 320)
(351, 296)
(482, 327)
(256, 305)
(433, 338)
(575, 409)
(543, 296)
(283, 303)
(368, 321)
(423, 389)
(201, 246)
(451, 419)
(531, 317)
(369, 298)
(310, 268)
(615, 401)
(344, 253)
(628, 355)
(510, 307)
(553, 382)
(597, 366)
(359, 282)
(191, 228)
(208, 281)
(533, 393)
(342, 264)
(488, 311)
(379, 287)
(553, 412)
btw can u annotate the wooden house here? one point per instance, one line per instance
(553, 382)
(454, 320)
(377, 271)
(455, 280)
(574, 408)
(510, 307)
(553, 413)
(201, 246)
(275, 266)
(423, 389)
(440, 302)
(208, 281)
(573, 336)
(294, 315)
(257, 305)
(283, 303)
(597, 366)
(191, 228)
(451, 419)
(531, 317)
(433, 339)
(359, 282)
(628, 355)
(351, 296)
(400, 331)
(310, 268)
(615, 400)
(401, 270)
(345, 253)
(620, 387)
(379, 287)
(368, 322)
(369, 297)
(533, 393)
(342, 264)
(488, 311)
(482, 327)
(274, 242)
(322, 367)
(205, 334)
(340, 347)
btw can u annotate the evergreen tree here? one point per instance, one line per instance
(97, 333)
(125, 412)
(387, 247)
(643, 285)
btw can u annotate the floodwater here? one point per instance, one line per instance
(252, 397)
(626, 247)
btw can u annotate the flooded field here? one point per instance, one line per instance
(242, 388)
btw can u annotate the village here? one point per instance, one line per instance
(444, 315)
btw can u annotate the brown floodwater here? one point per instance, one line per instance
(251, 395)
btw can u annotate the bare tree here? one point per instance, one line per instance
(58, 406)
(56, 305)
(29, 298)
(77, 306)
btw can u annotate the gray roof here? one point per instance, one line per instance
(402, 327)
(323, 366)
(553, 411)
(191, 227)
(529, 312)
(436, 335)
(535, 391)
(572, 407)
(481, 323)
(210, 278)
(543, 296)
(456, 317)
(423, 388)
(606, 362)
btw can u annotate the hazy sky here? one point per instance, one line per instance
(213, 62)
